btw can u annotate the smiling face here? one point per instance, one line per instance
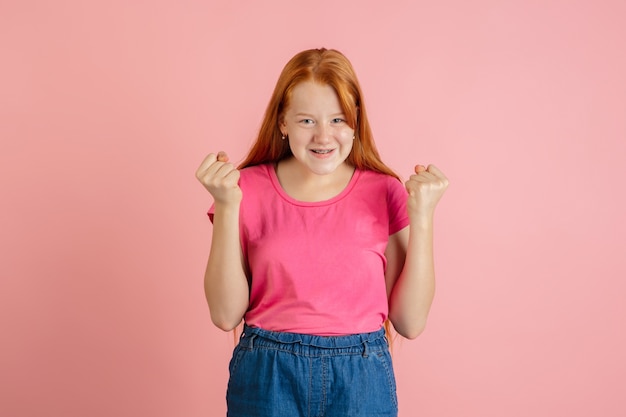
(314, 123)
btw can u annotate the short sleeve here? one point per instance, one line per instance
(211, 212)
(396, 205)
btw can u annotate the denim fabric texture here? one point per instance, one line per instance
(297, 375)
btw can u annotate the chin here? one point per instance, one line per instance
(323, 170)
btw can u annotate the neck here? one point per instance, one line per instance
(302, 184)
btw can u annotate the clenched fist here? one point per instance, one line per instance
(220, 178)
(425, 187)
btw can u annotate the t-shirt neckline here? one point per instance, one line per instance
(271, 170)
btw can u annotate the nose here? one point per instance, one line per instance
(322, 133)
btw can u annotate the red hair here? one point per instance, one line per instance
(325, 66)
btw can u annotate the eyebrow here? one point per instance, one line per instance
(301, 114)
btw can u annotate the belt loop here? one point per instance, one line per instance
(365, 349)
(251, 343)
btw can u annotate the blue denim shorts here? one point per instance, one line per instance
(290, 375)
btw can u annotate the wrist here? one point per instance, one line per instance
(226, 206)
(421, 220)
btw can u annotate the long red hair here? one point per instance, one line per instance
(330, 67)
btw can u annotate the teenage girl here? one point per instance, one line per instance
(316, 245)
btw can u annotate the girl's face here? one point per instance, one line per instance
(319, 137)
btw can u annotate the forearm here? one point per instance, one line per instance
(413, 291)
(225, 283)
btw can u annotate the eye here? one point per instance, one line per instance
(307, 121)
(338, 120)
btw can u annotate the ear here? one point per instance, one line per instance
(282, 125)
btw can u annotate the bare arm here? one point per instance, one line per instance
(225, 283)
(412, 292)
(411, 271)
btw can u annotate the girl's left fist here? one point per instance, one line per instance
(425, 187)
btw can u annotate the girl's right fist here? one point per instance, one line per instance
(220, 178)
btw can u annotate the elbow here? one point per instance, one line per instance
(224, 322)
(226, 318)
(226, 312)
(411, 330)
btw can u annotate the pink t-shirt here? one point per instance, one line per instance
(318, 268)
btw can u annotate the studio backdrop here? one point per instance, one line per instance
(108, 107)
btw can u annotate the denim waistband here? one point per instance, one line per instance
(311, 344)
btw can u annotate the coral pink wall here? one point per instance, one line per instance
(107, 107)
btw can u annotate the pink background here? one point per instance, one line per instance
(107, 108)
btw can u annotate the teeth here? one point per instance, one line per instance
(321, 150)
